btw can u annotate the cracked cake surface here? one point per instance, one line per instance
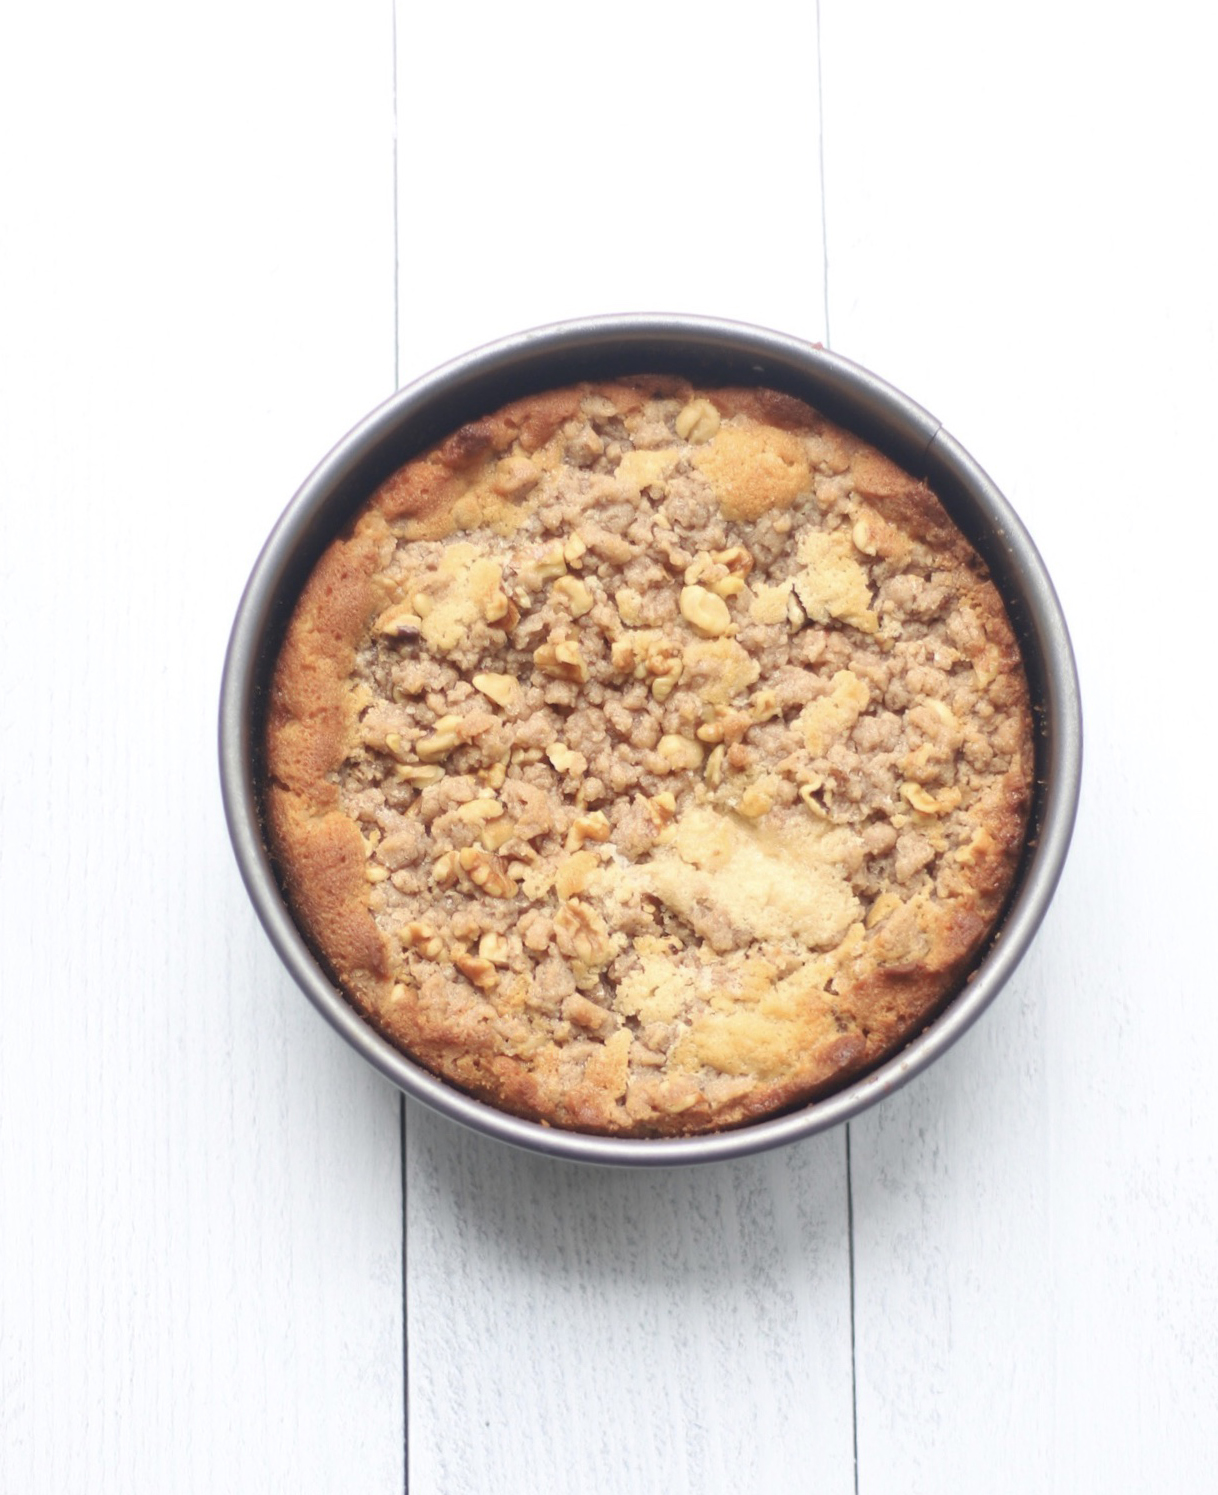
(647, 760)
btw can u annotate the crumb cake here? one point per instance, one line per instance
(647, 760)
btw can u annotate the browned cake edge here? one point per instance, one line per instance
(888, 994)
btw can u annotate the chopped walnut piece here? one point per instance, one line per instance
(545, 565)
(663, 807)
(736, 558)
(928, 804)
(565, 759)
(421, 937)
(420, 775)
(575, 594)
(697, 422)
(581, 934)
(493, 776)
(499, 608)
(593, 827)
(680, 754)
(796, 616)
(478, 811)
(676, 1095)
(486, 872)
(755, 802)
(504, 690)
(808, 793)
(441, 742)
(399, 622)
(863, 537)
(481, 973)
(704, 611)
(497, 833)
(664, 685)
(562, 660)
(494, 947)
(728, 586)
(764, 706)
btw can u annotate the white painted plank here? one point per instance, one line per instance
(1031, 253)
(573, 1329)
(558, 163)
(200, 1275)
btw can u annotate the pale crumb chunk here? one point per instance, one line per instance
(826, 720)
(644, 469)
(832, 584)
(769, 604)
(588, 1015)
(575, 873)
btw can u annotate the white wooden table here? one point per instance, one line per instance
(230, 1258)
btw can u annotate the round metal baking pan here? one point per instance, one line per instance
(709, 353)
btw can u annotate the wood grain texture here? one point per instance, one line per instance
(576, 1328)
(200, 1282)
(200, 1211)
(1032, 255)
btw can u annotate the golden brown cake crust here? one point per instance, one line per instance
(647, 760)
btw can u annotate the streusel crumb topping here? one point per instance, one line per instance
(646, 759)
